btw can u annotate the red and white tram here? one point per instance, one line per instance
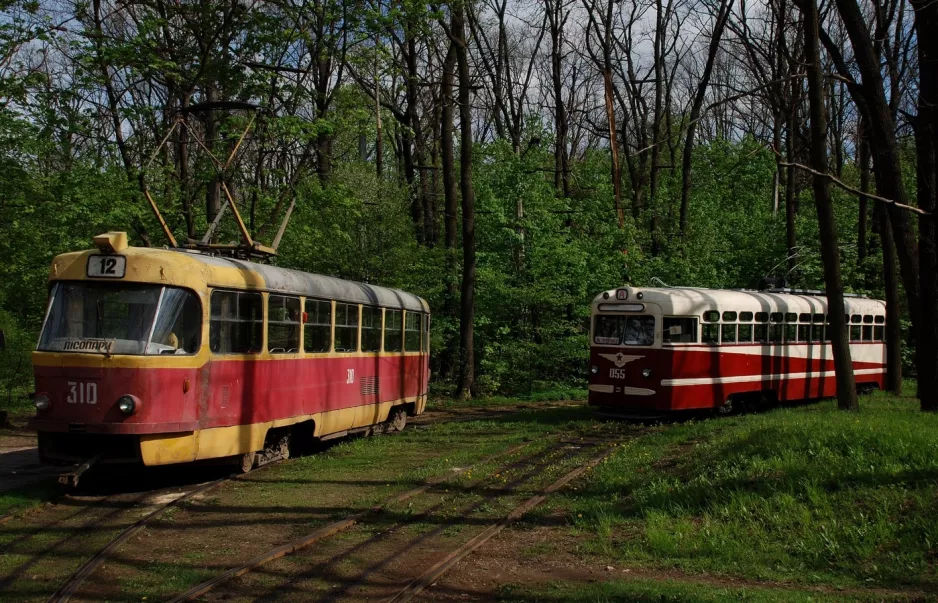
(653, 351)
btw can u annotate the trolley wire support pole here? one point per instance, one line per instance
(71, 478)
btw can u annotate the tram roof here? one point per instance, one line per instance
(695, 300)
(197, 271)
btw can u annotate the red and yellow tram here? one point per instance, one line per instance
(653, 351)
(171, 356)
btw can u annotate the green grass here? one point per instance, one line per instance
(643, 590)
(548, 395)
(806, 494)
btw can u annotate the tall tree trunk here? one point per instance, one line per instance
(843, 366)
(467, 314)
(450, 208)
(863, 158)
(790, 192)
(893, 311)
(926, 145)
(613, 146)
(557, 18)
(719, 25)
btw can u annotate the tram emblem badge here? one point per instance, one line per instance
(620, 359)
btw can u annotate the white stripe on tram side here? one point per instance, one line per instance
(864, 352)
(760, 377)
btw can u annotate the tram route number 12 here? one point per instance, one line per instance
(82, 393)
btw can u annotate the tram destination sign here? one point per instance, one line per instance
(106, 266)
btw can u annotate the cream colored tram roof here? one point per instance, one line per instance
(685, 301)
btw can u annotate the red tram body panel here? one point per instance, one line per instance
(186, 356)
(654, 351)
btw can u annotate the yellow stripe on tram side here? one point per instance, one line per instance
(235, 440)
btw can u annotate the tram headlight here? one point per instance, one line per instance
(594, 369)
(127, 404)
(646, 373)
(42, 402)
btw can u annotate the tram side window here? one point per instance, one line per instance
(804, 332)
(371, 329)
(426, 333)
(283, 324)
(178, 328)
(729, 332)
(412, 332)
(745, 317)
(817, 332)
(237, 322)
(867, 332)
(710, 333)
(855, 332)
(775, 333)
(679, 330)
(393, 337)
(745, 334)
(761, 332)
(879, 333)
(346, 328)
(317, 332)
(791, 334)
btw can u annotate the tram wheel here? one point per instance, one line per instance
(398, 420)
(247, 461)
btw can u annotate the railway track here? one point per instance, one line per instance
(528, 469)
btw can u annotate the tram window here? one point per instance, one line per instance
(775, 333)
(237, 322)
(880, 320)
(710, 333)
(624, 330)
(867, 332)
(791, 317)
(711, 316)
(868, 319)
(371, 329)
(426, 333)
(317, 335)
(761, 333)
(791, 333)
(178, 328)
(762, 317)
(819, 318)
(879, 333)
(855, 333)
(804, 332)
(776, 317)
(745, 317)
(411, 332)
(679, 330)
(283, 324)
(729, 317)
(745, 334)
(804, 317)
(817, 332)
(855, 319)
(393, 335)
(827, 332)
(346, 328)
(729, 333)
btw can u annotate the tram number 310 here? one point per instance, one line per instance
(82, 393)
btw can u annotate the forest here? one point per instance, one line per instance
(505, 159)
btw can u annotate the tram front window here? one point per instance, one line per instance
(122, 319)
(624, 330)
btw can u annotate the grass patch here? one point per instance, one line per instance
(656, 591)
(806, 494)
(548, 395)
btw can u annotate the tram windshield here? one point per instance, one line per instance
(624, 330)
(104, 318)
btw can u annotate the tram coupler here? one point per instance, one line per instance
(71, 478)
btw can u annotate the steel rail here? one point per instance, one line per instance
(329, 530)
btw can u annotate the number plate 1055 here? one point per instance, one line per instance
(107, 266)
